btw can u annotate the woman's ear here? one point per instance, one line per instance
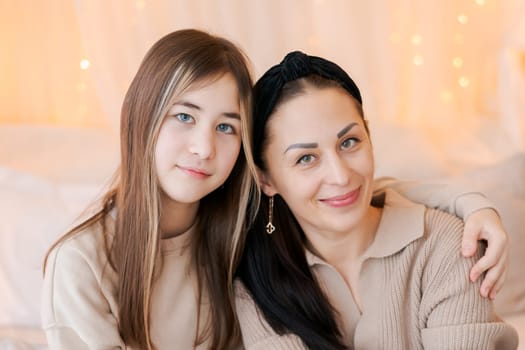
(266, 183)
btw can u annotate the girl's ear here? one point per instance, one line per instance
(266, 183)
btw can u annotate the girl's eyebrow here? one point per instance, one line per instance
(194, 106)
(301, 145)
(346, 129)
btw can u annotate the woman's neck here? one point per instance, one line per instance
(342, 249)
(345, 252)
(176, 218)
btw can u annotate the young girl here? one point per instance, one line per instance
(328, 263)
(152, 268)
(149, 270)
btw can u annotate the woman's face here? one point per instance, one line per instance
(199, 140)
(319, 160)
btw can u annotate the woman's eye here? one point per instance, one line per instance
(226, 128)
(306, 159)
(349, 143)
(185, 118)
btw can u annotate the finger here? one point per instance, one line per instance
(496, 253)
(469, 242)
(483, 264)
(499, 284)
(488, 283)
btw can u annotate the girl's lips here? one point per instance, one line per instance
(195, 172)
(343, 200)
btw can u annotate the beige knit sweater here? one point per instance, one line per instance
(80, 306)
(415, 291)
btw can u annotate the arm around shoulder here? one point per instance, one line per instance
(453, 198)
(455, 315)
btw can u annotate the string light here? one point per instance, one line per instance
(457, 62)
(140, 4)
(463, 81)
(84, 64)
(416, 39)
(480, 2)
(462, 18)
(418, 60)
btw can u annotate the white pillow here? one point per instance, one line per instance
(35, 212)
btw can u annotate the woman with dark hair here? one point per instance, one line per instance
(332, 264)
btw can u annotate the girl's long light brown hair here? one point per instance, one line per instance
(175, 63)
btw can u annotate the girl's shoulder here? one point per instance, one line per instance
(86, 247)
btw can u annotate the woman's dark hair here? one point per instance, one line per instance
(274, 268)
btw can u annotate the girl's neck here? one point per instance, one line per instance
(176, 218)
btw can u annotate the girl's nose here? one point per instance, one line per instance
(203, 143)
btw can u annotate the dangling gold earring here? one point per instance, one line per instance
(270, 228)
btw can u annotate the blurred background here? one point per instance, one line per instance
(443, 84)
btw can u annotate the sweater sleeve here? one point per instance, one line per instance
(257, 334)
(453, 315)
(75, 312)
(452, 198)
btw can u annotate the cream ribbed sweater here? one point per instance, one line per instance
(80, 304)
(414, 290)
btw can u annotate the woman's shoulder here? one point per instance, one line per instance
(443, 228)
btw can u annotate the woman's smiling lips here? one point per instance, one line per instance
(194, 172)
(343, 200)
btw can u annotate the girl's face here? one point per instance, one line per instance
(319, 160)
(199, 141)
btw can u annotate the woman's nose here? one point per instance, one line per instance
(337, 171)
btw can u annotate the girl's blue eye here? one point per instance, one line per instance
(306, 159)
(349, 143)
(185, 118)
(226, 128)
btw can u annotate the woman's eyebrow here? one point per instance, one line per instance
(346, 129)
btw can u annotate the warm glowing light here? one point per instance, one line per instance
(395, 37)
(418, 60)
(480, 2)
(84, 64)
(417, 39)
(140, 4)
(463, 81)
(458, 38)
(446, 96)
(462, 18)
(457, 62)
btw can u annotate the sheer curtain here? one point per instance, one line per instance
(435, 65)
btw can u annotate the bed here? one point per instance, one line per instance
(48, 174)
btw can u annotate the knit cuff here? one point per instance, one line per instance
(471, 202)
